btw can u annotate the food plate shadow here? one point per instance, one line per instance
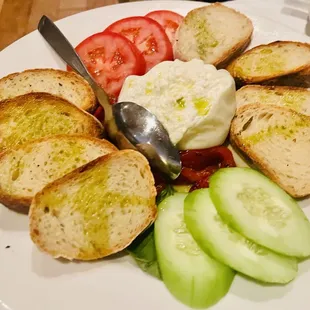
(307, 28)
(13, 221)
(48, 267)
(303, 266)
(303, 202)
(120, 255)
(246, 288)
(294, 12)
(299, 14)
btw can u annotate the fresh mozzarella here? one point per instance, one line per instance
(194, 101)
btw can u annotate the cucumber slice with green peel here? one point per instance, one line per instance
(260, 210)
(193, 277)
(219, 240)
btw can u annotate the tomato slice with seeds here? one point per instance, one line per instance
(169, 20)
(110, 58)
(148, 36)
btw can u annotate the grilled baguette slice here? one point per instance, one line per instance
(206, 33)
(37, 115)
(269, 63)
(295, 98)
(299, 79)
(67, 85)
(276, 139)
(96, 210)
(25, 170)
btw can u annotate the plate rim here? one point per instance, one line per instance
(63, 20)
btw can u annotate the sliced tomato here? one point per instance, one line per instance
(110, 58)
(148, 36)
(169, 20)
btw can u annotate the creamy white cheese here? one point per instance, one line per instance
(194, 101)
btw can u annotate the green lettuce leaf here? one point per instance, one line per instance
(144, 252)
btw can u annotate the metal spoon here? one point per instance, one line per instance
(127, 124)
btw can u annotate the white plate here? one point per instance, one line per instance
(30, 280)
(293, 13)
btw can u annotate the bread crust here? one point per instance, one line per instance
(16, 204)
(275, 79)
(21, 204)
(266, 169)
(233, 53)
(297, 80)
(89, 105)
(34, 220)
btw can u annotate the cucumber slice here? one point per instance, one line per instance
(229, 247)
(260, 210)
(190, 275)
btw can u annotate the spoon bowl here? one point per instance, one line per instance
(141, 130)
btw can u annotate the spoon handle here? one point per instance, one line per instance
(65, 50)
(62, 46)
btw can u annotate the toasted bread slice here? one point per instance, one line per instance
(299, 79)
(37, 115)
(67, 85)
(96, 210)
(214, 33)
(270, 62)
(25, 170)
(295, 98)
(276, 139)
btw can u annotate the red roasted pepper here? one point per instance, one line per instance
(198, 166)
(99, 114)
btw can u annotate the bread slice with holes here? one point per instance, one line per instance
(277, 141)
(270, 63)
(214, 33)
(37, 115)
(96, 210)
(67, 85)
(26, 169)
(295, 98)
